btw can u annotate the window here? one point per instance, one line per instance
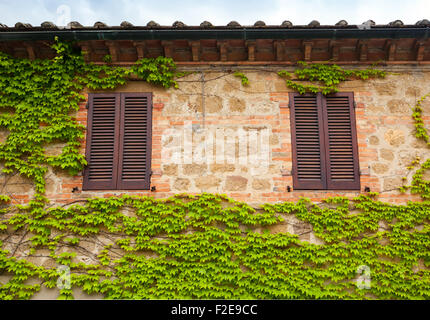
(324, 142)
(118, 147)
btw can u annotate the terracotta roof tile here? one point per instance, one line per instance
(206, 24)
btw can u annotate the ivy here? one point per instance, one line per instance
(196, 247)
(158, 71)
(38, 98)
(188, 247)
(420, 131)
(419, 185)
(243, 78)
(326, 76)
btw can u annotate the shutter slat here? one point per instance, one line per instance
(306, 133)
(135, 160)
(102, 142)
(341, 140)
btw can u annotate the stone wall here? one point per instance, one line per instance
(213, 103)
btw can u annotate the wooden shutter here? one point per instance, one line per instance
(341, 141)
(308, 145)
(135, 146)
(102, 142)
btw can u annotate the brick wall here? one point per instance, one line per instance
(221, 104)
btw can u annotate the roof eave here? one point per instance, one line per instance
(218, 34)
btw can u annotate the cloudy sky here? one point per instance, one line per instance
(193, 12)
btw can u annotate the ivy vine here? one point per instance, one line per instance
(243, 78)
(186, 247)
(325, 76)
(417, 111)
(195, 247)
(419, 185)
(37, 99)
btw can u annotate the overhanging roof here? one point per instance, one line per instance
(283, 43)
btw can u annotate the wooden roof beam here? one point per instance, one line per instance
(30, 51)
(195, 50)
(222, 45)
(86, 49)
(420, 50)
(140, 49)
(279, 50)
(307, 49)
(334, 49)
(251, 44)
(362, 48)
(168, 48)
(113, 50)
(391, 47)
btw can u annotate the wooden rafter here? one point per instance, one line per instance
(307, 48)
(279, 50)
(140, 49)
(113, 50)
(362, 47)
(195, 50)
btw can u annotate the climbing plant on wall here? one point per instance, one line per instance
(197, 247)
(324, 78)
(38, 99)
(205, 246)
(419, 185)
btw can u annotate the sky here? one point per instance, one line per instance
(221, 12)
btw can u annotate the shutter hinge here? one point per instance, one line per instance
(355, 105)
(87, 105)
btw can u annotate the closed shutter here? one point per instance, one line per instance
(324, 142)
(341, 142)
(307, 142)
(135, 147)
(118, 142)
(102, 142)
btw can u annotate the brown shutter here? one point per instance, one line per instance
(341, 142)
(308, 146)
(102, 142)
(135, 147)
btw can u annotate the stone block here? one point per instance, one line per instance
(236, 104)
(207, 182)
(386, 154)
(194, 169)
(392, 183)
(373, 140)
(261, 184)
(181, 184)
(236, 183)
(170, 170)
(213, 104)
(394, 137)
(379, 168)
(222, 168)
(398, 106)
